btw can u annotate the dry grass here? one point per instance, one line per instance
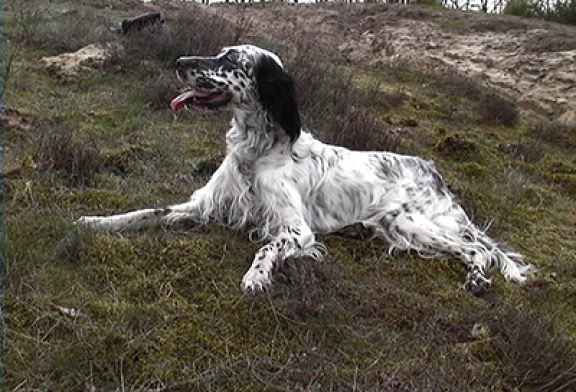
(530, 353)
(494, 109)
(190, 32)
(555, 132)
(74, 158)
(360, 131)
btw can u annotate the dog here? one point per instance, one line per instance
(283, 185)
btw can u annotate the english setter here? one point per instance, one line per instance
(284, 185)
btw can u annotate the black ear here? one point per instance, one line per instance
(276, 93)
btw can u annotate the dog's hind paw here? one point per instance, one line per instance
(476, 281)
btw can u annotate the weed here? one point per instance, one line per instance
(75, 158)
(530, 151)
(457, 146)
(530, 354)
(556, 133)
(186, 33)
(494, 109)
(360, 131)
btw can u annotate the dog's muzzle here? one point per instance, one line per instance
(202, 93)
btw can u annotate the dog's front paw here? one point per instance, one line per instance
(256, 281)
(91, 222)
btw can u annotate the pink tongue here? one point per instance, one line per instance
(179, 102)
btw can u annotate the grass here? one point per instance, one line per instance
(162, 310)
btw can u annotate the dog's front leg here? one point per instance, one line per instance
(194, 210)
(296, 240)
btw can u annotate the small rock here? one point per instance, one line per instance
(67, 66)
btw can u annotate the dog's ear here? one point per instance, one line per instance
(276, 93)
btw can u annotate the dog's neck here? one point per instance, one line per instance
(253, 134)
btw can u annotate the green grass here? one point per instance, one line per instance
(161, 309)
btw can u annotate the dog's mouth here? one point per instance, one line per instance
(200, 99)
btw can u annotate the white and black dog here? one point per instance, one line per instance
(284, 185)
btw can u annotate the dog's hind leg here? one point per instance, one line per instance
(451, 234)
(293, 240)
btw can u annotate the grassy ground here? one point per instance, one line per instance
(161, 309)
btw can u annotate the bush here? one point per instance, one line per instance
(187, 33)
(555, 132)
(494, 109)
(519, 8)
(75, 158)
(358, 130)
(529, 352)
(59, 33)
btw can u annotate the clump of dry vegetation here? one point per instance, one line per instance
(359, 130)
(530, 353)
(555, 132)
(496, 110)
(72, 157)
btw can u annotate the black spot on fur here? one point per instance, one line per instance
(162, 211)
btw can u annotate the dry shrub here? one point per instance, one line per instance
(194, 31)
(555, 132)
(358, 130)
(455, 85)
(494, 109)
(323, 89)
(530, 354)
(498, 24)
(76, 158)
(160, 90)
(457, 147)
(544, 41)
(327, 96)
(530, 151)
(491, 107)
(60, 33)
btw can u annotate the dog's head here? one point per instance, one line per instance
(242, 77)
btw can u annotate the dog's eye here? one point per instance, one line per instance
(232, 56)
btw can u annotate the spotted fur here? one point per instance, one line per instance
(281, 184)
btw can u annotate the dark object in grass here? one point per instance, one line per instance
(139, 22)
